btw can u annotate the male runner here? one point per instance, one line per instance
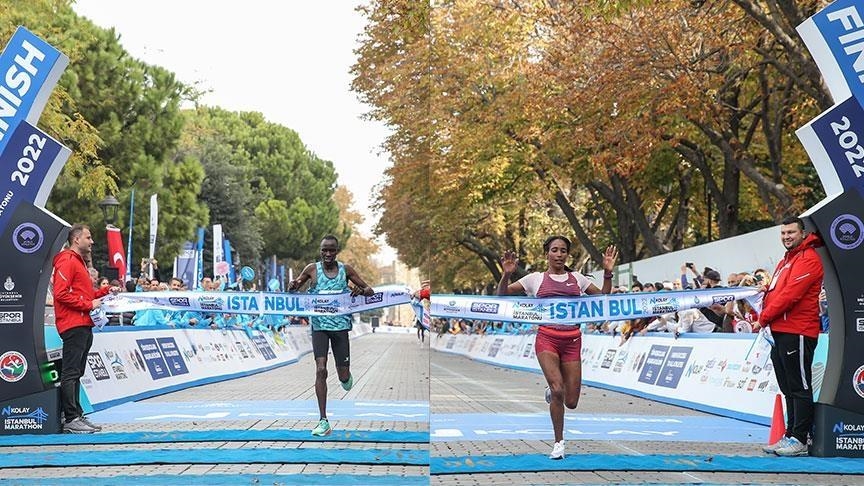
(330, 276)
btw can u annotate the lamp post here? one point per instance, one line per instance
(109, 206)
(590, 222)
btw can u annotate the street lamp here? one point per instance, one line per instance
(590, 219)
(109, 207)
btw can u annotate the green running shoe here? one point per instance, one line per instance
(346, 385)
(322, 429)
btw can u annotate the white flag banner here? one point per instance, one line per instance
(259, 303)
(154, 226)
(589, 308)
(220, 266)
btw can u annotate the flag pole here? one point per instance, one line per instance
(129, 245)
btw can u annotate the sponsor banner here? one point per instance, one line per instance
(706, 372)
(259, 303)
(835, 38)
(31, 68)
(578, 310)
(140, 361)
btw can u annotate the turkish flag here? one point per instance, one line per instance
(116, 255)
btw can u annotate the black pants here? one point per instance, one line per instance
(338, 341)
(76, 345)
(792, 357)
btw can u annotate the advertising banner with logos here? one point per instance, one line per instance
(716, 373)
(835, 143)
(128, 364)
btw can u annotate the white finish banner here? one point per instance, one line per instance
(589, 308)
(259, 303)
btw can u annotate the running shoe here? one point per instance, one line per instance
(793, 447)
(557, 451)
(548, 395)
(97, 428)
(77, 426)
(322, 429)
(346, 385)
(770, 449)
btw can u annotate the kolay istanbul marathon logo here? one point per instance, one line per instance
(847, 231)
(13, 366)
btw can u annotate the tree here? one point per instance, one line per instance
(357, 250)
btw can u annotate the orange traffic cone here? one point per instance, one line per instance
(778, 422)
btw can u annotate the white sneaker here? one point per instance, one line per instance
(557, 451)
(770, 449)
(793, 447)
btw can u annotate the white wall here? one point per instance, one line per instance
(743, 253)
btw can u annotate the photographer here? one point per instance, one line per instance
(146, 264)
(697, 277)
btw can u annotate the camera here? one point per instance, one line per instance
(690, 264)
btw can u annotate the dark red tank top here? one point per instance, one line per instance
(553, 288)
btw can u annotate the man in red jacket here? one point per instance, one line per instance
(791, 310)
(74, 298)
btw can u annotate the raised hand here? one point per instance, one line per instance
(509, 261)
(610, 257)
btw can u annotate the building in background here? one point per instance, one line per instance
(396, 272)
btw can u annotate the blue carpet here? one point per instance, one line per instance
(218, 456)
(536, 426)
(226, 479)
(605, 462)
(154, 411)
(279, 435)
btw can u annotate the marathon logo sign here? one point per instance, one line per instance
(23, 418)
(484, 307)
(848, 437)
(12, 317)
(211, 303)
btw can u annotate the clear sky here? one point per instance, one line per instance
(289, 60)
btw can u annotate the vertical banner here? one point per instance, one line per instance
(30, 162)
(129, 243)
(199, 255)
(115, 251)
(229, 260)
(220, 268)
(154, 227)
(185, 265)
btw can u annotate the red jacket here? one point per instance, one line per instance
(73, 291)
(791, 303)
